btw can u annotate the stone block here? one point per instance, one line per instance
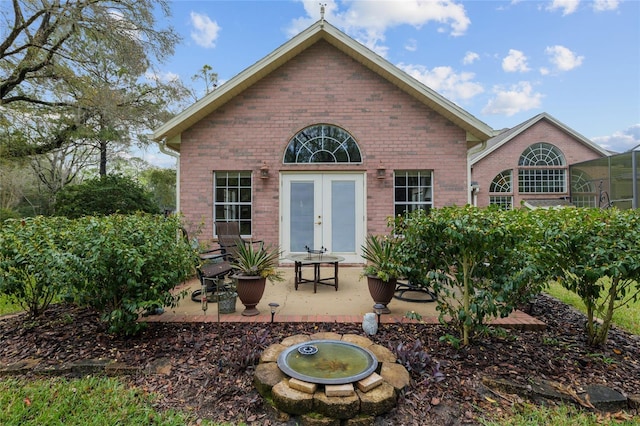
(363, 342)
(361, 420)
(317, 420)
(326, 335)
(382, 354)
(303, 386)
(395, 374)
(339, 390)
(338, 407)
(290, 400)
(378, 401)
(294, 340)
(368, 383)
(266, 376)
(272, 352)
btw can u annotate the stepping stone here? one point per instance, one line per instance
(605, 399)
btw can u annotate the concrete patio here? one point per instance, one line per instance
(348, 304)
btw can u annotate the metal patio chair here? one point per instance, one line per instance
(229, 239)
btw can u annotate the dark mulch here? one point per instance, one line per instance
(214, 380)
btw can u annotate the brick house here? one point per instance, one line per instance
(529, 164)
(320, 141)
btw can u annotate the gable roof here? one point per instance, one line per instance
(321, 30)
(496, 142)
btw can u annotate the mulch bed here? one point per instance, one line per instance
(210, 374)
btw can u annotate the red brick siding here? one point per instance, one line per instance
(321, 85)
(507, 156)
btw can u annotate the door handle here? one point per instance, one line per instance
(318, 223)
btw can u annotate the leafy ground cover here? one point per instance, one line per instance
(209, 375)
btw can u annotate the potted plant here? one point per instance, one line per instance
(382, 269)
(253, 266)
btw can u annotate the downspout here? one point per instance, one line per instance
(473, 189)
(166, 150)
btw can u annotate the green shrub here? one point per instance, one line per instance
(103, 196)
(131, 264)
(474, 259)
(594, 253)
(34, 265)
(8, 214)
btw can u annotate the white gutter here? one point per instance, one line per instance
(472, 191)
(166, 150)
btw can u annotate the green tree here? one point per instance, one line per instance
(162, 184)
(103, 196)
(79, 63)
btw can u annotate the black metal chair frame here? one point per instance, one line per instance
(211, 268)
(229, 238)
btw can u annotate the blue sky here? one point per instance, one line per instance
(502, 61)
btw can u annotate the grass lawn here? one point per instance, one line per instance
(627, 317)
(6, 307)
(88, 401)
(562, 415)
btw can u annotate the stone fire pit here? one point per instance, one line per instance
(329, 404)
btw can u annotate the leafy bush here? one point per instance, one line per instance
(103, 196)
(131, 264)
(594, 253)
(474, 258)
(7, 214)
(34, 265)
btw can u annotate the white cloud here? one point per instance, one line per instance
(620, 141)
(470, 57)
(562, 58)
(513, 100)
(411, 45)
(205, 31)
(515, 61)
(165, 77)
(445, 81)
(605, 5)
(567, 6)
(367, 21)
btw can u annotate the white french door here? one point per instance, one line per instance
(323, 210)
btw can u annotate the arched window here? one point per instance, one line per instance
(542, 169)
(583, 191)
(501, 190)
(322, 143)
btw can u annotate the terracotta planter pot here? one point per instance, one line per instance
(382, 291)
(250, 291)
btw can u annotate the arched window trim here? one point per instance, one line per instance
(542, 154)
(542, 169)
(502, 183)
(316, 143)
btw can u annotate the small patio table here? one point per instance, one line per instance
(302, 259)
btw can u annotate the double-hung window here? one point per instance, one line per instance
(413, 191)
(232, 199)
